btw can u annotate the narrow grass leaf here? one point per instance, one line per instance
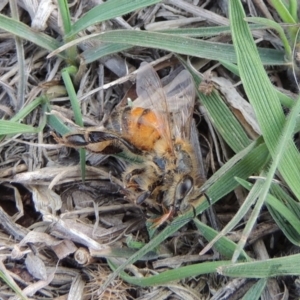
(207, 31)
(287, 221)
(65, 15)
(224, 245)
(285, 100)
(25, 32)
(283, 11)
(109, 10)
(255, 292)
(223, 119)
(102, 50)
(25, 111)
(232, 161)
(9, 127)
(72, 94)
(5, 276)
(181, 45)
(57, 125)
(282, 266)
(71, 53)
(287, 133)
(286, 217)
(251, 163)
(171, 275)
(251, 198)
(274, 25)
(263, 97)
(286, 213)
(76, 109)
(293, 9)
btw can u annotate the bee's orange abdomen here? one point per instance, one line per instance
(142, 128)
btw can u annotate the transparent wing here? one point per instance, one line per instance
(173, 104)
(152, 96)
(181, 99)
(199, 164)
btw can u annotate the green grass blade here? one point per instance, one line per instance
(108, 10)
(283, 266)
(171, 275)
(293, 9)
(207, 31)
(221, 116)
(286, 213)
(274, 25)
(254, 293)
(287, 133)
(285, 100)
(283, 11)
(57, 125)
(285, 219)
(76, 109)
(65, 15)
(223, 119)
(252, 162)
(24, 112)
(234, 160)
(102, 50)
(6, 277)
(71, 52)
(263, 97)
(286, 216)
(252, 196)
(224, 246)
(21, 61)
(72, 94)
(25, 32)
(9, 127)
(12, 127)
(181, 45)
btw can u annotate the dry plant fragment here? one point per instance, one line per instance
(118, 289)
(36, 266)
(83, 257)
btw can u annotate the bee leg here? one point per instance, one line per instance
(134, 182)
(190, 206)
(129, 178)
(134, 179)
(70, 140)
(142, 197)
(168, 214)
(107, 142)
(97, 141)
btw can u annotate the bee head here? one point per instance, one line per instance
(183, 189)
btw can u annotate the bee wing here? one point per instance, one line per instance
(181, 99)
(175, 101)
(199, 164)
(151, 95)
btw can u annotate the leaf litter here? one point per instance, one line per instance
(56, 229)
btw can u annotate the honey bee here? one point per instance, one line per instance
(158, 129)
